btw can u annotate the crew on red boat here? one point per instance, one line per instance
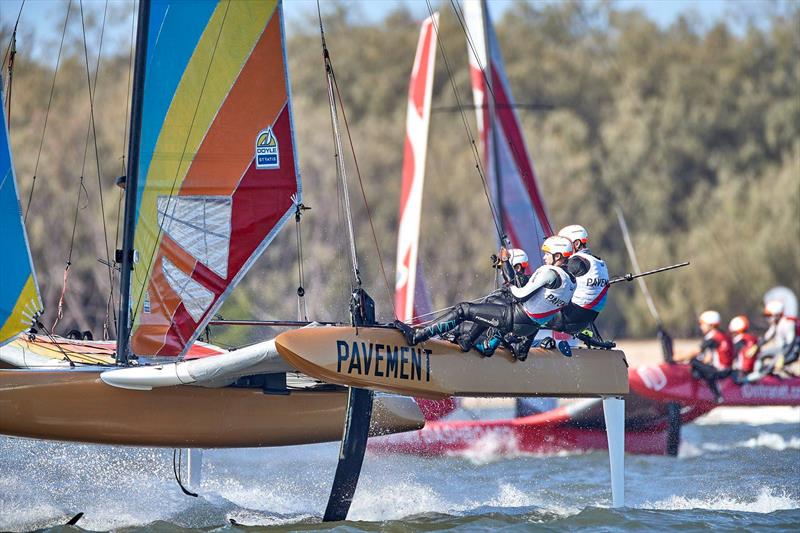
(713, 359)
(745, 345)
(780, 345)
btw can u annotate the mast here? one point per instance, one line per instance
(131, 183)
(492, 146)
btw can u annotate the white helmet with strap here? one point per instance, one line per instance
(574, 233)
(710, 318)
(518, 257)
(558, 245)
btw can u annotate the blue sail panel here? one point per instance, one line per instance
(20, 301)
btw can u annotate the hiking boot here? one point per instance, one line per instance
(548, 343)
(406, 330)
(487, 346)
(565, 348)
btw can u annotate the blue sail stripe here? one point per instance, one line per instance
(175, 29)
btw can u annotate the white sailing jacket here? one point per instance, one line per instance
(592, 288)
(545, 302)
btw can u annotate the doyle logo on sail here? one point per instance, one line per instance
(383, 360)
(267, 156)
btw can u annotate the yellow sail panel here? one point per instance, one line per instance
(217, 163)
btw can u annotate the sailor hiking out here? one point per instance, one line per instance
(521, 311)
(592, 278)
(745, 346)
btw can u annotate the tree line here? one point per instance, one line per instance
(692, 131)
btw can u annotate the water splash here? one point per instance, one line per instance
(767, 500)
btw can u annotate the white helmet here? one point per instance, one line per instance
(739, 324)
(558, 245)
(575, 233)
(711, 318)
(773, 308)
(518, 257)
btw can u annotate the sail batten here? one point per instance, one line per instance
(218, 169)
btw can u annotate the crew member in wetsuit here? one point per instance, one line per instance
(745, 346)
(713, 359)
(516, 275)
(528, 308)
(779, 345)
(591, 275)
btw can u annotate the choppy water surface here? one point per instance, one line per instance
(738, 469)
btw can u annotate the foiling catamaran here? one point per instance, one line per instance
(663, 397)
(212, 177)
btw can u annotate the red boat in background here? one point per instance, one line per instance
(663, 397)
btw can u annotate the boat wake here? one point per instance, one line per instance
(767, 500)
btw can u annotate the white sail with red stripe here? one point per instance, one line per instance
(411, 298)
(509, 171)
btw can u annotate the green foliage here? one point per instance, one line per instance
(693, 133)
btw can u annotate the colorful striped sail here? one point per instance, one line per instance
(411, 297)
(218, 174)
(20, 301)
(509, 171)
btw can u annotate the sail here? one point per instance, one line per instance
(411, 297)
(20, 301)
(218, 174)
(509, 171)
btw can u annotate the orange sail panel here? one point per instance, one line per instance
(217, 170)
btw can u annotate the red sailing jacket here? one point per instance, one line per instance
(742, 344)
(723, 348)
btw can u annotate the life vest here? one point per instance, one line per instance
(543, 305)
(592, 288)
(742, 344)
(722, 347)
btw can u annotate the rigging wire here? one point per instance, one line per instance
(363, 193)
(92, 94)
(139, 299)
(470, 137)
(117, 233)
(10, 53)
(341, 173)
(47, 113)
(302, 312)
(92, 88)
(490, 87)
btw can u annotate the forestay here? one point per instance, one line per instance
(508, 168)
(20, 301)
(217, 163)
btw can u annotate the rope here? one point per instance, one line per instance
(93, 128)
(363, 193)
(489, 85)
(344, 197)
(302, 313)
(183, 155)
(475, 152)
(47, 113)
(117, 234)
(10, 53)
(177, 456)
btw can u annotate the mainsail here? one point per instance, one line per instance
(20, 302)
(411, 298)
(509, 171)
(218, 173)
